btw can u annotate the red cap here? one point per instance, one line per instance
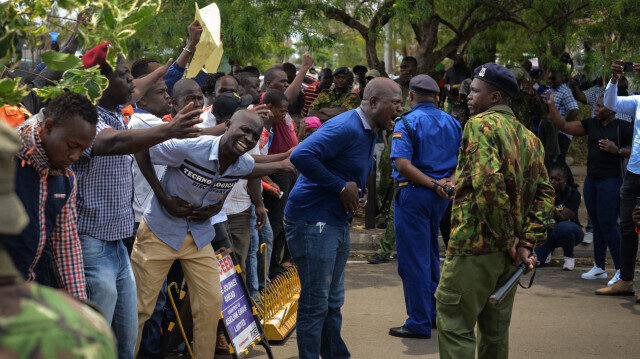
(96, 56)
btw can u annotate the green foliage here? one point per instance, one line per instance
(89, 83)
(111, 20)
(11, 91)
(59, 61)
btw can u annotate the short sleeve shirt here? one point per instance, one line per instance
(192, 174)
(431, 144)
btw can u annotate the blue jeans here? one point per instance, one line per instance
(112, 287)
(565, 234)
(602, 199)
(255, 260)
(320, 251)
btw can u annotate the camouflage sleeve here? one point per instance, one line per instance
(487, 180)
(536, 220)
(351, 101)
(319, 101)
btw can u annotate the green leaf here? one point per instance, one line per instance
(59, 61)
(108, 16)
(93, 91)
(139, 15)
(11, 92)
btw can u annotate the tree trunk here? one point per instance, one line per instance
(426, 33)
(373, 62)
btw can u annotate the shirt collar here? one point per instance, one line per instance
(215, 149)
(214, 156)
(139, 110)
(424, 104)
(365, 123)
(32, 151)
(502, 108)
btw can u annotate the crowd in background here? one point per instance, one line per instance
(111, 190)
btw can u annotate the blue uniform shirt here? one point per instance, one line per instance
(436, 140)
(193, 175)
(340, 151)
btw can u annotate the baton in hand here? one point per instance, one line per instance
(501, 292)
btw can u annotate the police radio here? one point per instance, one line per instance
(449, 190)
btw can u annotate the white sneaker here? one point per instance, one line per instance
(616, 277)
(548, 260)
(595, 273)
(588, 238)
(569, 263)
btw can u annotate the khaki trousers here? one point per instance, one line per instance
(462, 302)
(151, 259)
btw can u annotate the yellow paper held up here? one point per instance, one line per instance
(209, 50)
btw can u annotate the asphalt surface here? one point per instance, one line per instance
(559, 317)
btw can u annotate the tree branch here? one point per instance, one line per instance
(562, 17)
(340, 15)
(382, 15)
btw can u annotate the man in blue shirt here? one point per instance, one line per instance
(334, 163)
(200, 172)
(424, 149)
(630, 190)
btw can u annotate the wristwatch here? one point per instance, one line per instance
(619, 151)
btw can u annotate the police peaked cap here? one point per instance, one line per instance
(424, 85)
(497, 76)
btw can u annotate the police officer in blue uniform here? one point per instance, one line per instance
(424, 149)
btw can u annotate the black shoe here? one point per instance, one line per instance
(377, 259)
(404, 332)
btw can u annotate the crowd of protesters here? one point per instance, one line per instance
(168, 168)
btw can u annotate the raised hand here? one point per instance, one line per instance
(183, 122)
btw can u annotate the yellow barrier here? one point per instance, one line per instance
(278, 305)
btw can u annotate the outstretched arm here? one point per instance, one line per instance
(110, 142)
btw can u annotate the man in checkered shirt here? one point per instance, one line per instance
(105, 199)
(567, 106)
(48, 249)
(591, 95)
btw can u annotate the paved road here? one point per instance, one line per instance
(559, 317)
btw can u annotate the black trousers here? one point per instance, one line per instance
(629, 191)
(276, 217)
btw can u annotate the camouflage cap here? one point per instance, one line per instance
(13, 217)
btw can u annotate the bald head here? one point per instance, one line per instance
(185, 91)
(382, 103)
(379, 87)
(242, 134)
(246, 117)
(226, 84)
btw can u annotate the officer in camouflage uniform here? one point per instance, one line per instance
(341, 98)
(37, 321)
(500, 212)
